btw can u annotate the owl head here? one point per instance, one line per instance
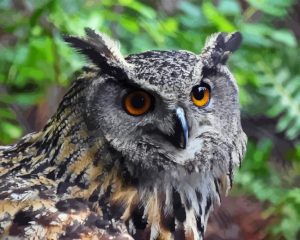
(171, 113)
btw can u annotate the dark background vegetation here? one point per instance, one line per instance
(36, 67)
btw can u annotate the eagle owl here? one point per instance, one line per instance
(140, 147)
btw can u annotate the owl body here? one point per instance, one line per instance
(140, 147)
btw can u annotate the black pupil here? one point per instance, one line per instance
(138, 101)
(198, 92)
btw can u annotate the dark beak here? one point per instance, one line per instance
(181, 133)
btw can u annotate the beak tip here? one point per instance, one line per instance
(183, 146)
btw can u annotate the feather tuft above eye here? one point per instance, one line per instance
(219, 46)
(100, 50)
(109, 47)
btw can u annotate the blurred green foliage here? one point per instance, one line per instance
(34, 57)
(260, 178)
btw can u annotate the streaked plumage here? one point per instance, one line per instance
(97, 172)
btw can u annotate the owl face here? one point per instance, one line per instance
(166, 110)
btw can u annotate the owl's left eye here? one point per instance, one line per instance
(200, 95)
(137, 102)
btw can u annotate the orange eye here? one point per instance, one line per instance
(200, 95)
(137, 102)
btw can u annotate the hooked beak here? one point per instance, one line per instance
(181, 131)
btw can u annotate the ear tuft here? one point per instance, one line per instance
(219, 46)
(99, 49)
(109, 47)
(233, 41)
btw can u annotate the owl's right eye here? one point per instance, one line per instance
(200, 95)
(137, 102)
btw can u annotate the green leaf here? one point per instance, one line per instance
(272, 7)
(11, 130)
(284, 122)
(6, 114)
(285, 37)
(229, 7)
(256, 34)
(142, 9)
(217, 18)
(190, 9)
(129, 24)
(25, 99)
